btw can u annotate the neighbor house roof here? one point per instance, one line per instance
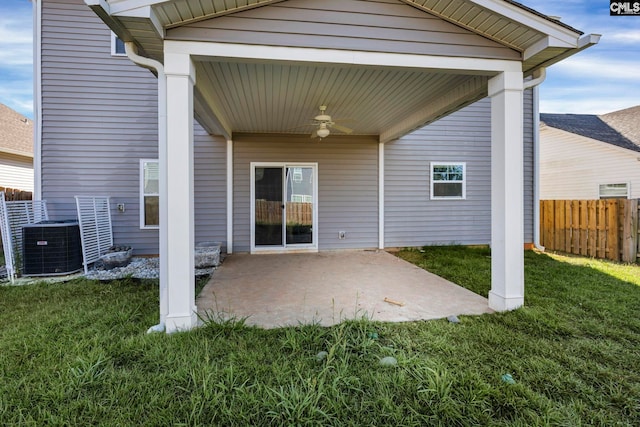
(597, 127)
(626, 121)
(16, 132)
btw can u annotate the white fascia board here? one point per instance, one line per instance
(104, 4)
(529, 19)
(545, 43)
(144, 12)
(122, 6)
(459, 65)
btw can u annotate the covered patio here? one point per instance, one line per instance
(326, 288)
(263, 67)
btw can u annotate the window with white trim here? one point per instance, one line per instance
(448, 180)
(117, 46)
(149, 193)
(613, 191)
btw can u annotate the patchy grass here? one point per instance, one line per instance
(77, 354)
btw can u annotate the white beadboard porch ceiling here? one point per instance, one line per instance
(283, 98)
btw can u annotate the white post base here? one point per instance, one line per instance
(501, 303)
(181, 322)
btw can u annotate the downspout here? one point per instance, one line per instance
(538, 77)
(152, 64)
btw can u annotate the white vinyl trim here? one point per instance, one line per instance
(283, 248)
(488, 67)
(114, 44)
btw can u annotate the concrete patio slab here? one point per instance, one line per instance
(328, 287)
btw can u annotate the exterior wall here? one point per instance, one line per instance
(380, 26)
(573, 166)
(99, 117)
(411, 217)
(16, 172)
(347, 186)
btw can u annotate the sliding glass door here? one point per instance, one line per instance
(284, 206)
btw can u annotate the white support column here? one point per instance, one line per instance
(229, 197)
(507, 210)
(180, 74)
(381, 195)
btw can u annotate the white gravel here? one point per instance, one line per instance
(138, 268)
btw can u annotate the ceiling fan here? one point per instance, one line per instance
(326, 124)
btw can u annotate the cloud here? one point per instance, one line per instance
(622, 36)
(16, 56)
(585, 67)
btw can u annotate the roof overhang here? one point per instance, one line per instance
(438, 89)
(28, 155)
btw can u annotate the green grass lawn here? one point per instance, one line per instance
(77, 354)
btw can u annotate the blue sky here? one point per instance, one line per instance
(599, 80)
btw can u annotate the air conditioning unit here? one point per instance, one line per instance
(51, 248)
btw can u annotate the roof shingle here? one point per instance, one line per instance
(16, 132)
(601, 128)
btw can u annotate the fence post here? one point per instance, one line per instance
(613, 231)
(629, 236)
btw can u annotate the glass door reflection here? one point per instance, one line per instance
(299, 206)
(268, 206)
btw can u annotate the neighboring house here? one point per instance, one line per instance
(590, 157)
(16, 150)
(441, 149)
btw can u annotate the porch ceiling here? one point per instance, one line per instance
(283, 98)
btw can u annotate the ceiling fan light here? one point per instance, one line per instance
(323, 132)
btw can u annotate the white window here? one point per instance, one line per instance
(301, 198)
(448, 180)
(149, 194)
(117, 46)
(614, 191)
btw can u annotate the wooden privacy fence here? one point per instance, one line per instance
(298, 213)
(11, 194)
(605, 228)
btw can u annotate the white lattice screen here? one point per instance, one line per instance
(13, 216)
(94, 217)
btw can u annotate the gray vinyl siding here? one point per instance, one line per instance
(99, 118)
(411, 217)
(528, 166)
(347, 186)
(378, 26)
(210, 187)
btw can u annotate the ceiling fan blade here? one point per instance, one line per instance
(342, 129)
